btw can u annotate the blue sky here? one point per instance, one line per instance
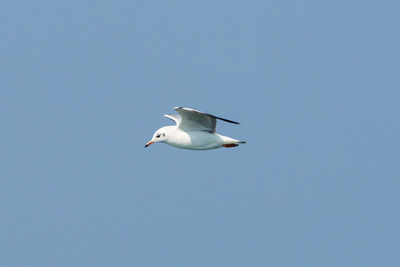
(315, 85)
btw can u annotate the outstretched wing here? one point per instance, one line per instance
(175, 118)
(194, 120)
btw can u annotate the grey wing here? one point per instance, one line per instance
(193, 120)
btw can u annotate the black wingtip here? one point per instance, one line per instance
(222, 119)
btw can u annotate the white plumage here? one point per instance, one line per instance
(193, 130)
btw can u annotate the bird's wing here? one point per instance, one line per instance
(175, 118)
(194, 120)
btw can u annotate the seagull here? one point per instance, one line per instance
(193, 130)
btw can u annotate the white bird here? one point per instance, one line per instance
(193, 130)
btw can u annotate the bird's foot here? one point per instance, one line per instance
(230, 145)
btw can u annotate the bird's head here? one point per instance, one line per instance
(159, 136)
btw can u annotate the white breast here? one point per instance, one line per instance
(198, 140)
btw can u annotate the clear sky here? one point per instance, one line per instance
(315, 85)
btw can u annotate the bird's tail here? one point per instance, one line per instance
(230, 142)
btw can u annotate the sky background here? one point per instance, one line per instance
(315, 85)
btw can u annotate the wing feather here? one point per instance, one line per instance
(176, 118)
(194, 120)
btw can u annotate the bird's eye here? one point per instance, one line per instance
(158, 136)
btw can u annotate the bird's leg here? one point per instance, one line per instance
(230, 145)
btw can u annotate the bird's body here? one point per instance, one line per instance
(196, 140)
(193, 130)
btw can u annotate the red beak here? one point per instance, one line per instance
(149, 143)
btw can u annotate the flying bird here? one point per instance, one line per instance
(193, 130)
